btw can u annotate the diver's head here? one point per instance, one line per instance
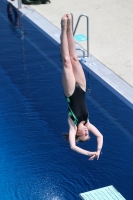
(82, 133)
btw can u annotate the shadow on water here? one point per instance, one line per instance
(13, 15)
(36, 163)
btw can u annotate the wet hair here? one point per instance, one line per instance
(77, 138)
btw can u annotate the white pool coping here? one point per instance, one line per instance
(104, 193)
(114, 83)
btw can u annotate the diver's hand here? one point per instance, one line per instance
(93, 155)
(98, 153)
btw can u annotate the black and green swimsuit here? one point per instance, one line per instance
(77, 108)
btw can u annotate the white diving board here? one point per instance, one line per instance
(105, 193)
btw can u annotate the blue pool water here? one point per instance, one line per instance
(35, 161)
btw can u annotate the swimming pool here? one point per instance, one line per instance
(36, 162)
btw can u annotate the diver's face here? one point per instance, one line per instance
(83, 133)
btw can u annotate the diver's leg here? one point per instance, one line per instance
(77, 68)
(68, 79)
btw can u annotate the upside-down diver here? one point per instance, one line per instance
(74, 85)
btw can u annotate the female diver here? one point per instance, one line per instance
(74, 85)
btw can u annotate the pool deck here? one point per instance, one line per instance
(110, 33)
(111, 28)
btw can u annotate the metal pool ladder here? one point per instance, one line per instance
(87, 32)
(19, 4)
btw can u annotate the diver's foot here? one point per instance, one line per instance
(69, 22)
(64, 22)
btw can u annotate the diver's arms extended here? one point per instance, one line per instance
(98, 135)
(72, 142)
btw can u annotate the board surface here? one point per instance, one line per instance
(105, 193)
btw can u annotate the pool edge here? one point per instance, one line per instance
(107, 77)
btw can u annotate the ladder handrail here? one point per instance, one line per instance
(87, 18)
(80, 49)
